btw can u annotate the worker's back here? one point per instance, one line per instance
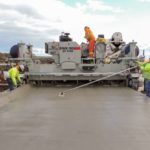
(145, 67)
(13, 72)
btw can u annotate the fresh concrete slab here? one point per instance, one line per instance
(92, 118)
(8, 96)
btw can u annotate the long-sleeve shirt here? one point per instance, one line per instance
(145, 68)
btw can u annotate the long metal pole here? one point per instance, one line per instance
(83, 85)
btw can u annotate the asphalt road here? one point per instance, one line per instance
(92, 118)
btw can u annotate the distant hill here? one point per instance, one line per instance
(4, 56)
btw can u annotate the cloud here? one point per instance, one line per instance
(12, 33)
(27, 10)
(95, 6)
(144, 0)
(22, 22)
(37, 22)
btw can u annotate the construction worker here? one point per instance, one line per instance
(145, 69)
(91, 39)
(13, 77)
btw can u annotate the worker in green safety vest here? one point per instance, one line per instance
(145, 68)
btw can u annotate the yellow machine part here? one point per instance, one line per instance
(102, 40)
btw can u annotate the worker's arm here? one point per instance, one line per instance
(141, 65)
(14, 80)
(12, 76)
(13, 73)
(18, 77)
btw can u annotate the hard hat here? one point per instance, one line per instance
(86, 28)
(21, 67)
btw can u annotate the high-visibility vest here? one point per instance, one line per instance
(146, 71)
(89, 35)
(14, 75)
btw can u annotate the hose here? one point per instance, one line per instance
(83, 85)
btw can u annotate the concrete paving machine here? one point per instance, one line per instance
(71, 61)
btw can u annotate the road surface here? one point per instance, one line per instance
(92, 118)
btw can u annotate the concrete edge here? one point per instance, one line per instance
(7, 96)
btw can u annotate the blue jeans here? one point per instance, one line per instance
(10, 84)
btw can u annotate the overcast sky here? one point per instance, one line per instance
(36, 21)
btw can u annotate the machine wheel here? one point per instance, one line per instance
(133, 83)
(130, 83)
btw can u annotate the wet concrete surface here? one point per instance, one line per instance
(92, 118)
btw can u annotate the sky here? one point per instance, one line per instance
(40, 21)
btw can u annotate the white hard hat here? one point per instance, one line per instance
(21, 67)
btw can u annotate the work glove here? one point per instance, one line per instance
(19, 83)
(14, 87)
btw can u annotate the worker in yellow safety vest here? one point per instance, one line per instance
(13, 76)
